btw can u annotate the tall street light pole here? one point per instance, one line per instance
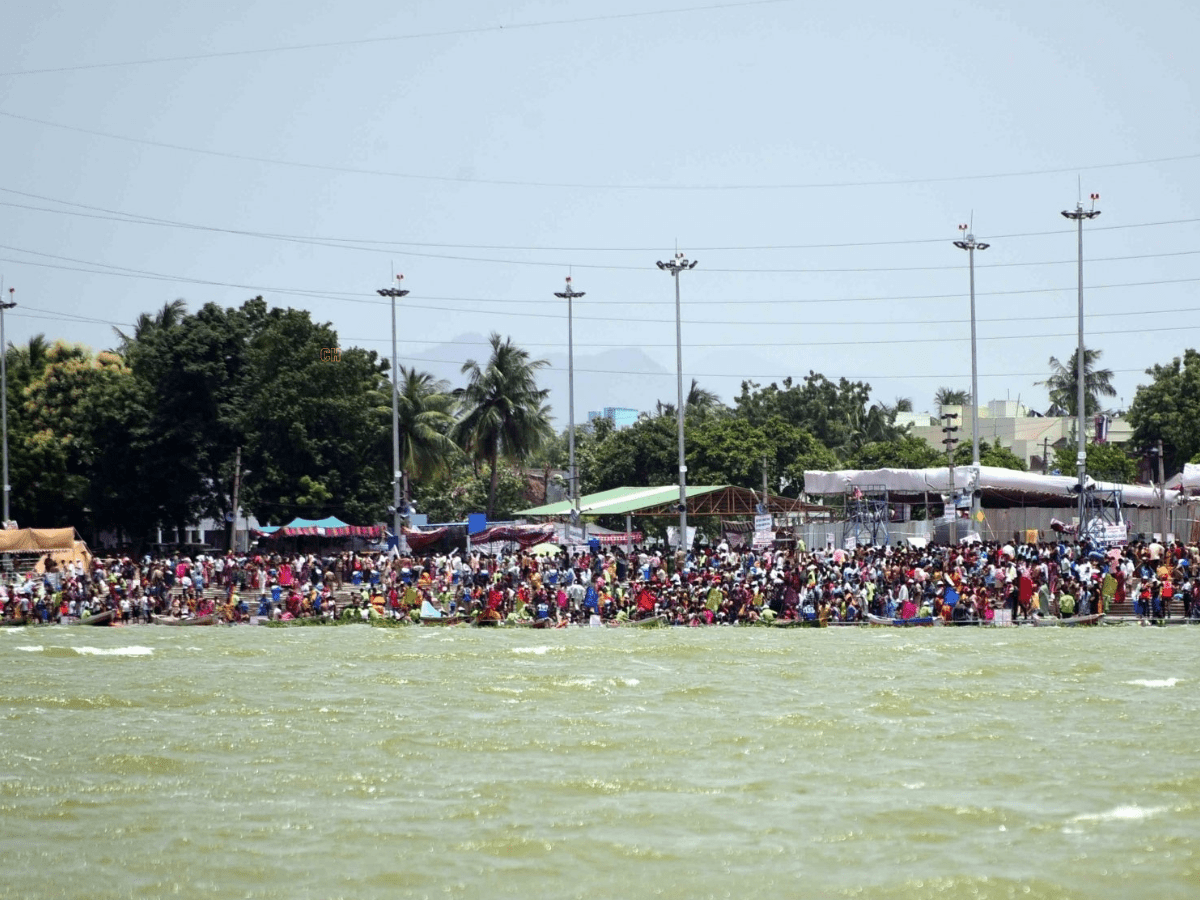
(1079, 214)
(679, 264)
(569, 295)
(969, 244)
(8, 304)
(393, 293)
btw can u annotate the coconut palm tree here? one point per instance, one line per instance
(425, 409)
(503, 408)
(699, 402)
(169, 316)
(946, 396)
(1062, 385)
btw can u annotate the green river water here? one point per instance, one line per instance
(358, 762)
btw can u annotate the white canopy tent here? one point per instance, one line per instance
(1008, 484)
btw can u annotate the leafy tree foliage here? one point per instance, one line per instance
(837, 415)
(1105, 462)
(1000, 457)
(906, 452)
(1168, 409)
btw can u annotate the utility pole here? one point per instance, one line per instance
(969, 244)
(397, 474)
(9, 304)
(676, 265)
(1078, 214)
(569, 295)
(1162, 492)
(766, 502)
(950, 441)
(237, 484)
(1045, 454)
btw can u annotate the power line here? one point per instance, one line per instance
(500, 182)
(939, 339)
(771, 375)
(374, 245)
(358, 42)
(349, 298)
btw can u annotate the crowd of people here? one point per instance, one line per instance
(710, 585)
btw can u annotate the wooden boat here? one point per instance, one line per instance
(652, 622)
(902, 623)
(210, 619)
(1093, 619)
(100, 618)
(441, 620)
(532, 623)
(796, 623)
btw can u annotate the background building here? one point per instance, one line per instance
(620, 416)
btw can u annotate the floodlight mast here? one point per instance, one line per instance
(394, 293)
(569, 294)
(679, 263)
(1078, 214)
(969, 244)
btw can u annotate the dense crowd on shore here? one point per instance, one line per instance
(717, 585)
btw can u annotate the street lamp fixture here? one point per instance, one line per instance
(569, 294)
(397, 474)
(678, 264)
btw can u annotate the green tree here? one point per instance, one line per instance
(1105, 462)
(836, 414)
(1000, 457)
(504, 415)
(1062, 385)
(906, 452)
(1168, 409)
(307, 415)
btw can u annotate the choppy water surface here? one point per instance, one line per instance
(682, 763)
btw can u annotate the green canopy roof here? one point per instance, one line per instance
(703, 500)
(620, 501)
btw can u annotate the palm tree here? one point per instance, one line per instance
(26, 363)
(699, 402)
(950, 397)
(425, 411)
(1062, 385)
(504, 412)
(168, 317)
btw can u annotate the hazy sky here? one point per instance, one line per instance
(815, 158)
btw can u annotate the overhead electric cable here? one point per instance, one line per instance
(512, 182)
(358, 42)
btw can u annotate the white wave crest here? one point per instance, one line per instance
(1154, 682)
(114, 651)
(536, 651)
(34, 649)
(1122, 814)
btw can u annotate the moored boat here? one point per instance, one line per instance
(209, 619)
(659, 621)
(1093, 619)
(100, 618)
(902, 623)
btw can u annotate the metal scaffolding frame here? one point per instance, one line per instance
(866, 516)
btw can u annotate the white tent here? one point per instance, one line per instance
(1187, 481)
(1008, 483)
